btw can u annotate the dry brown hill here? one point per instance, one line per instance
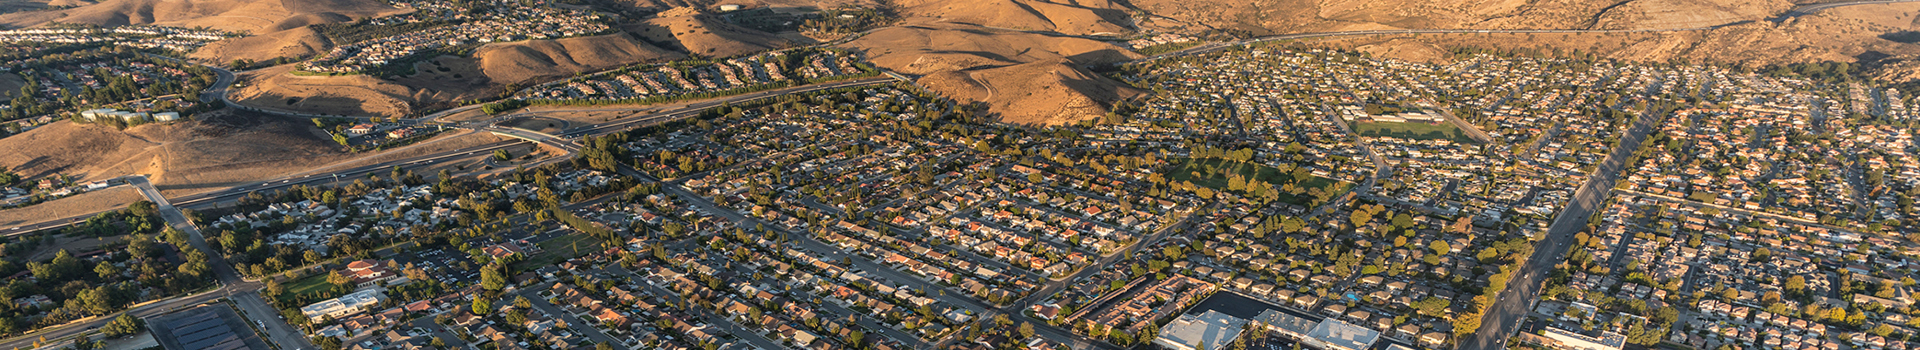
(928, 49)
(705, 35)
(1047, 92)
(358, 95)
(1846, 34)
(445, 80)
(1071, 18)
(1660, 14)
(297, 42)
(1024, 77)
(280, 27)
(1267, 17)
(255, 16)
(180, 156)
(529, 61)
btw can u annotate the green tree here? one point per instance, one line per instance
(482, 307)
(326, 342)
(123, 325)
(106, 270)
(141, 246)
(1440, 247)
(99, 301)
(338, 280)
(491, 278)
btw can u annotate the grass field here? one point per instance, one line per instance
(558, 249)
(313, 284)
(1415, 131)
(545, 125)
(1192, 170)
(107, 199)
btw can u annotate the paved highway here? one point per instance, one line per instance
(245, 294)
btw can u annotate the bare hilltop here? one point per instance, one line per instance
(1030, 61)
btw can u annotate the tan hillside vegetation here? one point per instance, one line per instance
(79, 204)
(531, 61)
(1268, 17)
(1095, 18)
(1845, 34)
(181, 157)
(1047, 92)
(928, 49)
(1660, 14)
(297, 42)
(445, 80)
(36, 5)
(358, 95)
(1023, 77)
(254, 16)
(702, 34)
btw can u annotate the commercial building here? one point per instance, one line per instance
(1290, 324)
(368, 273)
(1571, 340)
(344, 305)
(209, 327)
(1208, 331)
(1333, 334)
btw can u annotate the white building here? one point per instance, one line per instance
(1213, 330)
(344, 305)
(1333, 334)
(1576, 341)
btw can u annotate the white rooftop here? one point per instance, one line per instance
(1343, 335)
(1212, 328)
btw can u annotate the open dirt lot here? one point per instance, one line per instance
(108, 199)
(443, 143)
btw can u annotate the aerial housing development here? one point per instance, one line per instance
(877, 176)
(490, 21)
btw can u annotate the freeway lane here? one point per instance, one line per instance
(253, 306)
(209, 198)
(245, 293)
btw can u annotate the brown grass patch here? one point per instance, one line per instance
(705, 35)
(297, 42)
(117, 197)
(529, 61)
(1071, 18)
(230, 15)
